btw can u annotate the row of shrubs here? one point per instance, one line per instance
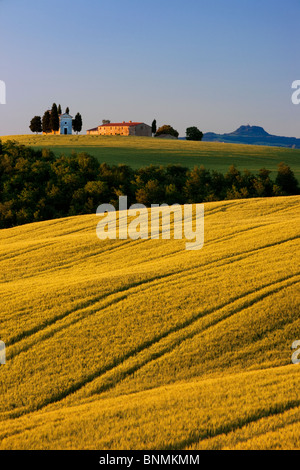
(37, 185)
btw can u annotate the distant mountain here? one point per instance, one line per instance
(253, 135)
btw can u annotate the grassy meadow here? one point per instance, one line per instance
(141, 344)
(143, 151)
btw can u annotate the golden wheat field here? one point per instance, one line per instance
(141, 344)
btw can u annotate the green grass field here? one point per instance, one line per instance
(144, 345)
(143, 151)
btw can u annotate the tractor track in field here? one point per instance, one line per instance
(185, 329)
(147, 283)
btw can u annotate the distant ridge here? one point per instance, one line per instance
(253, 135)
(250, 131)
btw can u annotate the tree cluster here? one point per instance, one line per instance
(192, 133)
(50, 121)
(165, 129)
(36, 185)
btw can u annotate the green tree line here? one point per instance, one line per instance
(36, 185)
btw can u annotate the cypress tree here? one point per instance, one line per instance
(154, 128)
(46, 125)
(77, 123)
(54, 119)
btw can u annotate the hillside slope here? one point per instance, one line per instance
(142, 344)
(138, 152)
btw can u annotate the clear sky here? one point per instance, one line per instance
(215, 64)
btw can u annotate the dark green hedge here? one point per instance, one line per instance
(36, 185)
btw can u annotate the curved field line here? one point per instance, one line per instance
(154, 279)
(154, 341)
(177, 341)
(147, 282)
(25, 250)
(273, 410)
(266, 420)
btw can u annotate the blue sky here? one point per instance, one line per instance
(215, 64)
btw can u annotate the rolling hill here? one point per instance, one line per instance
(139, 152)
(140, 344)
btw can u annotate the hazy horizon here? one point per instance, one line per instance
(212, 64)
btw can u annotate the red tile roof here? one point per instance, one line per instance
(121, 124)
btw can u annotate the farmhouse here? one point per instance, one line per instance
(122, 128)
